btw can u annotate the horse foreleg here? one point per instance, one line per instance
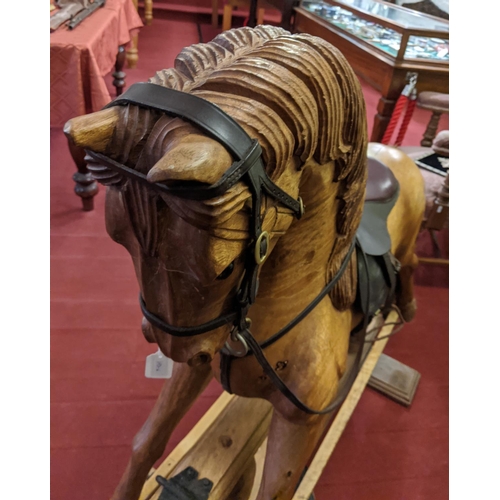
(175, 399)
(405, 298)
(288, 450)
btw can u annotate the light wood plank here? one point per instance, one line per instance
(260, 458)
(228, 446)
(178, 453)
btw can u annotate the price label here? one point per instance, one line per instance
(158, 366)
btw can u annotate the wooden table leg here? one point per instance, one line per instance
(286, 17)
(148, 12)
(431, 130)
(133, 52)
(85, 185)
(391, 90)
(385, 108)
(252, 15)
(215, 13)
(119, 75)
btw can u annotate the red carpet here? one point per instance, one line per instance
(100, 398)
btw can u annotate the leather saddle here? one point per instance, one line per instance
(377, 267)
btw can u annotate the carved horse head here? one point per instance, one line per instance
(294, 94)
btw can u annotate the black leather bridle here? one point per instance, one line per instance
(248, 168)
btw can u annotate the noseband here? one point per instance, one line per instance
(248, 168)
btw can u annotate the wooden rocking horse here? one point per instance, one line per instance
(237, 181)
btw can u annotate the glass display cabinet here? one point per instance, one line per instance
(383, 42)
(398, 32)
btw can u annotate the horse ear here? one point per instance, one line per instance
(93, 131)
(193, 158)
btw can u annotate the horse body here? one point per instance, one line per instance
(299, 98)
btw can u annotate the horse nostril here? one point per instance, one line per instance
(147, 332)
(201, 358)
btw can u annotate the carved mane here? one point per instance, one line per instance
(296, 94)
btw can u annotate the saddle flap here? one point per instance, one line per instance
(381, 184)
(376, 281)
(382, 192)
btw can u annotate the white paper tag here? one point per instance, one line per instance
(158, 366)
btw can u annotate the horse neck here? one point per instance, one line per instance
(296, 269)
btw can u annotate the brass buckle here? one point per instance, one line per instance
(259, 258)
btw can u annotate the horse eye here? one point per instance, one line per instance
(227, 272)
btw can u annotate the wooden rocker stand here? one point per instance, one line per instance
(222, 457)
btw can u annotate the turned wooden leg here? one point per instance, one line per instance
(133, 52)
(286, 19)
(148, 11)
(252, 14)
(85, 185)
(119, 75)
(260, 16)
(385, 108)
(227, 16)
(430, 131)
(215, 13)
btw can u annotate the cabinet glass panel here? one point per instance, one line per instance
(407, 19)
(422, 47)
(383, 38)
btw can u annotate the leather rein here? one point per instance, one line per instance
(249, 168)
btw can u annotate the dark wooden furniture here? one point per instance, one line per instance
(287, 10)
(79, 59)
(437, 194)
(438, 104)
(85, 185)
(285, 6)
(384, 71)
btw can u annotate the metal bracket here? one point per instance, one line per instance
(185, 486)
(411, 79)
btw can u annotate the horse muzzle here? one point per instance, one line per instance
(147, 331)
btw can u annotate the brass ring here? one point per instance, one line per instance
(258, 256)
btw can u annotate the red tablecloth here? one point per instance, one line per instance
(79, 60)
